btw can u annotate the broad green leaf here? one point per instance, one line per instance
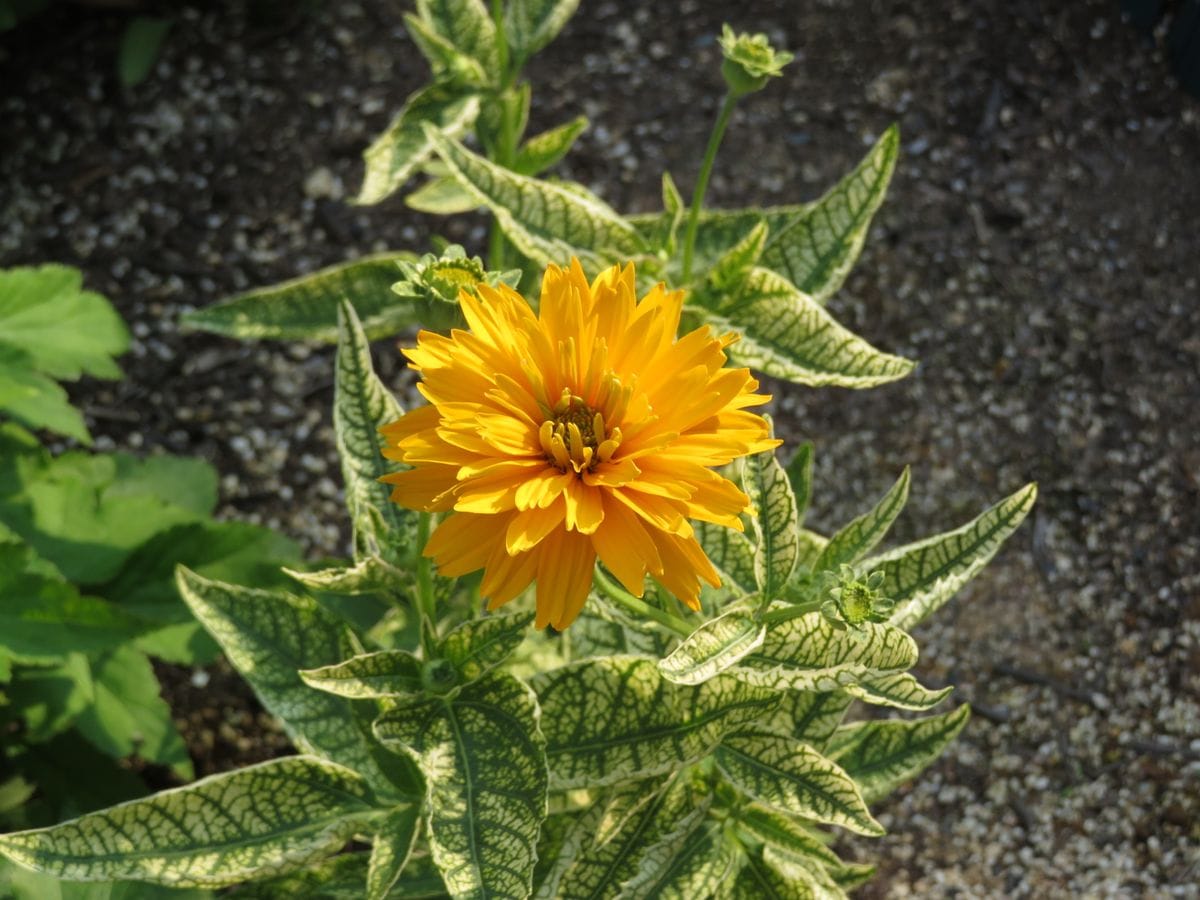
(774, 520)
(857, 538)
(713, 647)
(684, 871)
(46, 699)
(851, 875)
(791, 776)
(731, 552)
(386, 673)
(268, 637)
(729, 272)
(306, 308)
(921, 577)
(900, 690)
(787, 334)
(63, 329)
(395, 154)
(392, 845)
(369, 576)
(451, 69)
(141, 43)
(479, 645)
(128, 715)
(804, 874)
(361, 406)
(543, 150)
(529, 25)
(269, 818)
(441, 196)
(36, 400)
(484, 763)
(778, 829)
(42, 616)
(467, 25)
(809, 654)
(799, 473)
(602, 631)
(811, 547)
(343, 877)
(616, 718)
(756, 880)
(719, 229)
(29, 885)
(545, 221)
(817, 248)
(810, 716)
(663, 238)
(882, 754)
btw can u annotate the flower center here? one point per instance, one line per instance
(574, 435)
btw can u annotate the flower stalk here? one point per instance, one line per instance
(622, 597)
(710, 156)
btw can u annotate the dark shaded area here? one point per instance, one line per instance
(1037, 254)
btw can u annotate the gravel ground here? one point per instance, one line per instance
(1037, 254)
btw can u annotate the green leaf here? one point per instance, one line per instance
(370, 576)
(731, 552)
(729, 272)
(36, 400)
(269, 636)
(63, 329)
(787, 334)
(545, 221)
(392, 845)
(774, 520)
(42, 616)
(602, 631)
(484, 763)
(713, 647)
(790, 775)
(128, 715)
(809, 654)
(804, 874)
(47, 699)
(361, 406)
(29, 885)
(467, 25)
(543, 150)
(141, 44)
(616, 718)
(306, 308)
(817, 248)
(778, 829)
(921, 577)
(694, 868)
(269, 818)
(856, 539)
(719, 229)
(799, 473)
(756, 880)
(900, 690)
(394, 155)
(441, 196)
(386, 673)
(883, 754)
(529, 25)
(663, 237)
(479, 645)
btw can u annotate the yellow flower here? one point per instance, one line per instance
(584, 430)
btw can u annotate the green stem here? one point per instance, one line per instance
(710, 155)
(619, 595)
(497, 246)
(426, 602)
(795, 611)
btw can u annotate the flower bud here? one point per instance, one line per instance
(749, 61)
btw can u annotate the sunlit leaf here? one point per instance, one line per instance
(775, 523)
(859, 537)
(479, 645)
(385, 673)
(713, 647)
(529, 25)
(900, 690)
(543, 150)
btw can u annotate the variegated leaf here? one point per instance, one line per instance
(545, 221)
(731, 552)
(616, 718)
(817, 248)
(386, 673)
(900, 690)
(268, 637)
(371, 575)
(713, 647)
(484, 762)
(812, 545)
(663, 238)
(881, 754)
(809, 654)
(687, 870)
(857, 538)
(266, 819)
(479, 645)
(804, 873)
(774, 517)
(790, 775)
(799, 473)
(604, 630)
(306, 308)
(720, 229)
(782, 831)
(755, 880)
(810, 716)
(391, 846)
(787, 334)
(394, 155)
(467, 25)
(442, 195)
(729, 272)
(361, 406)
(543, 150)
(921, 577)
(529, 25)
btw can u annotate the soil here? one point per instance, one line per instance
(1037, 254)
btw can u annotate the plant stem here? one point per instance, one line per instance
(426, 603)
(496, 242)
(714, 141)
(618, 594)
(795, 611)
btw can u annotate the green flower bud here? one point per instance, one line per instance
(442, 277)
(854, 601)
(749, 61)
